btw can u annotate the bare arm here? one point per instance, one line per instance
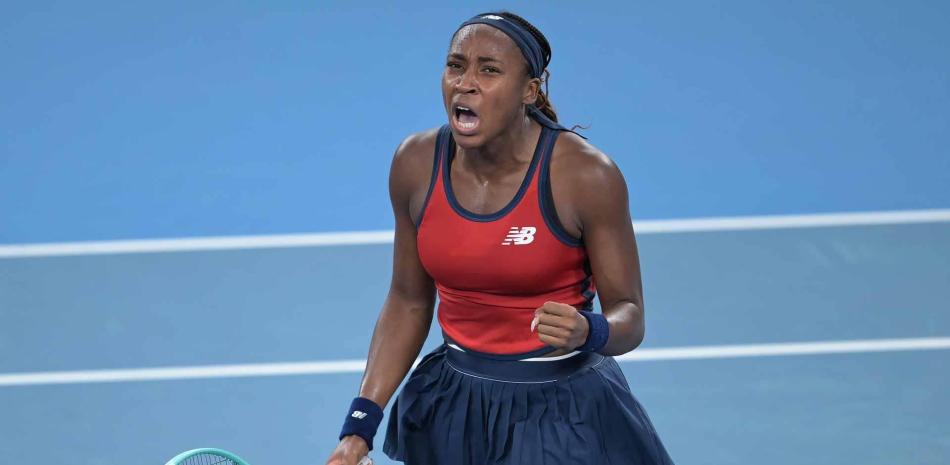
(612, 248)
(592, 194)
(406, 314)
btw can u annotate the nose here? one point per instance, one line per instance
(466, 82)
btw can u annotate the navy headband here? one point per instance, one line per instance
(533, 54)
(529, 46)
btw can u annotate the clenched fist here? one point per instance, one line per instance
(560, 325)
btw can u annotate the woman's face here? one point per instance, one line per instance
(485, 84)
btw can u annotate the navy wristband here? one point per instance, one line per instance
(362, 420)
(598, 332)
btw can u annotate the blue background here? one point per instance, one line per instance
(173, 119)
(166, 119)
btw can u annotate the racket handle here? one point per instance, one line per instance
(365, 461)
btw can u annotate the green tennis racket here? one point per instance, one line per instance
(212, 456)
(206, 456)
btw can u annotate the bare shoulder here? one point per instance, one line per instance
(411, 169)
(414, 151)
(578, 164)
(586, 184)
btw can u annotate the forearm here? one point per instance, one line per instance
(626, 327)
(400, 331)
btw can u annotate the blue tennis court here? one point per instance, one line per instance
(269, 305)
(195, 225)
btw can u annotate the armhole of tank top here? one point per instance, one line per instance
(436, 158)
(546, 198)
(587, 290)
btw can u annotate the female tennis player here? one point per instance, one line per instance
(511, 219)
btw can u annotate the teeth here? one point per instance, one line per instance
(463, 125)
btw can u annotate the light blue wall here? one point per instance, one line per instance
(159, 119)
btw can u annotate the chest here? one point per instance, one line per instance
(482, 197)
(512, 256)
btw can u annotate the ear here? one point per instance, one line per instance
(531, 90)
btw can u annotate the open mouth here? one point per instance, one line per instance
(465, 119)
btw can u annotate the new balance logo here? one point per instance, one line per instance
(358, 415)
(520, 235)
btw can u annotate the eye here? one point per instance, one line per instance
(491, 69)
(453, 65)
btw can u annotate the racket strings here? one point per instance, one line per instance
(208, 459)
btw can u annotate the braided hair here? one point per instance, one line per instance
(543, 102)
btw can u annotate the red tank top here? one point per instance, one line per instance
(493, 270)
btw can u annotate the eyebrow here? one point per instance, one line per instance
(481, 59)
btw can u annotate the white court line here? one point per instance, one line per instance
(357, 366)
(739, 223)
(187, 244)
(787, 348)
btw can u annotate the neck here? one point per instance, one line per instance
(510, 149)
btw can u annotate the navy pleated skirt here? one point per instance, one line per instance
(458, 408)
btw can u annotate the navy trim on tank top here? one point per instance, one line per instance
(546, 199)
(549, 213)
(449, 152)
(587, 292)
(436, 157)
